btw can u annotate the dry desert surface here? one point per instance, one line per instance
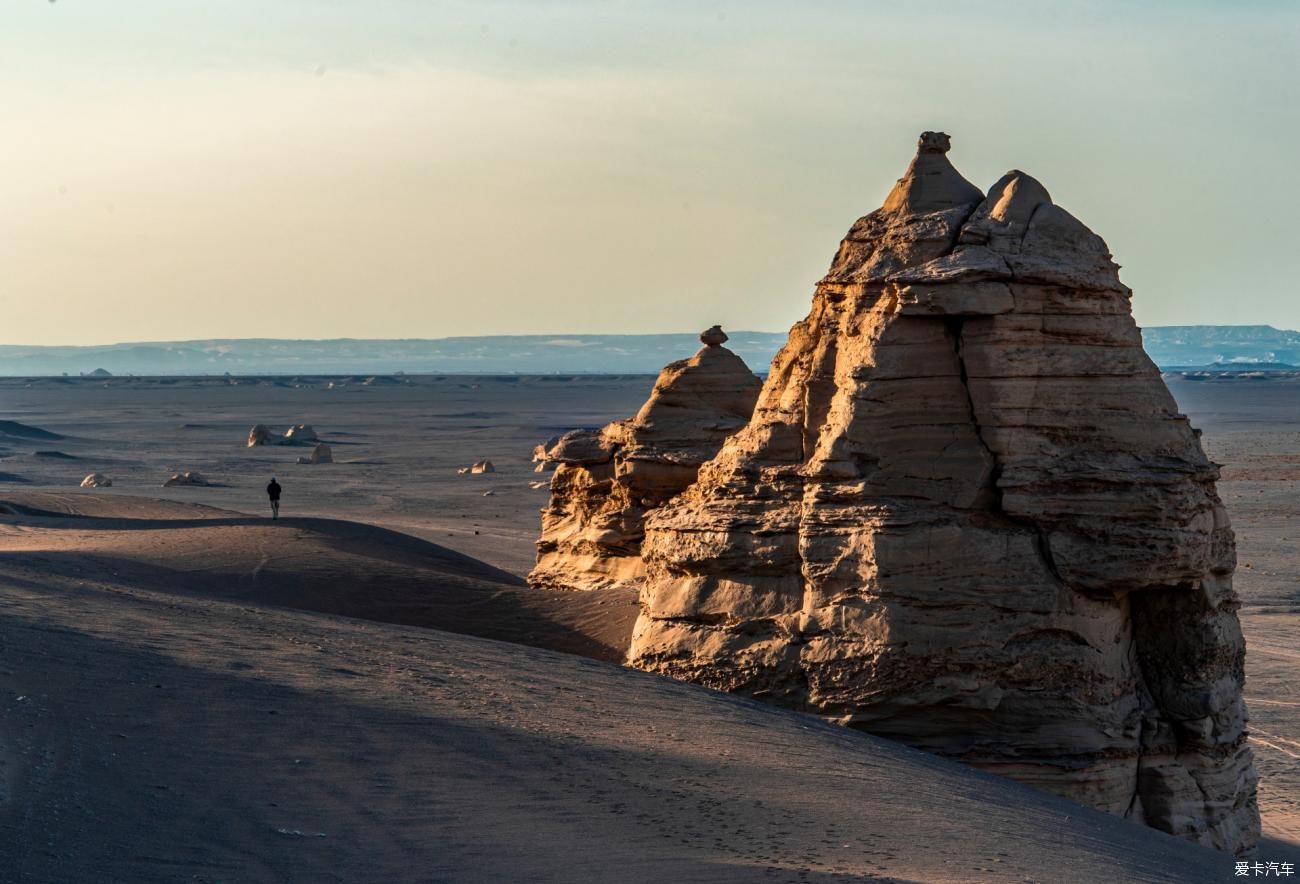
(366, 690)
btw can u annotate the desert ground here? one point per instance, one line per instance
(366, 690)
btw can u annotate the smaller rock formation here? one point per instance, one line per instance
(482, 466)
(607, 480)
(96, 480)
(320, 454)
(260, 435)
(188, 477)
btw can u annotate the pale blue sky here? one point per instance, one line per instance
(287, 168)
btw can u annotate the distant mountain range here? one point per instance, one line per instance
(1244, 346)
(1175, 346)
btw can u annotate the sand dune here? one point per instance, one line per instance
(17, 430)
(157, 728)
(324, 565)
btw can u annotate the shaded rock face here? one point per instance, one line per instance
(607, 480)
(968, 516)
(322, 453)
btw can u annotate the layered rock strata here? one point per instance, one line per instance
(607, 480)
(967, 515)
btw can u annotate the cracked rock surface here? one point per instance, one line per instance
(967, 515)
(607, 480)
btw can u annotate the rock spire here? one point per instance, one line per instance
(967, 515)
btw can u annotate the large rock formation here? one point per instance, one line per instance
(607, 480)
(968, 515)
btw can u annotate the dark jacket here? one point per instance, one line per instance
(273, 490)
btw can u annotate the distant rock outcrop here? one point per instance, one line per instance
(186, 478)
(320, 454)
(300, 433)
(607, 480)
(968, 515)
(96, 480)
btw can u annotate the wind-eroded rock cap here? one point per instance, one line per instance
(930, 183)
(713, 336)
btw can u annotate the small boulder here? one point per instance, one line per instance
(96, 480)
(713, 336)
(320, 454)
(483, 466)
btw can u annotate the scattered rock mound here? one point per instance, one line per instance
(96, 480)
(607, 480)
(320, 454)
(186, 478)
(260, 435)
(968, 515)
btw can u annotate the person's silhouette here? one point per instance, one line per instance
(273, 492)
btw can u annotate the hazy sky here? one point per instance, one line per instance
(174, 169)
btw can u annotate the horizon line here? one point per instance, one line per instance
(555, 335)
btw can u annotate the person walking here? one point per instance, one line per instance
(273, 492)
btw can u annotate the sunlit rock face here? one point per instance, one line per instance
(967, 515)
(607, 480)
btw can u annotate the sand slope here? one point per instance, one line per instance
(154, 727)
(312, 564)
